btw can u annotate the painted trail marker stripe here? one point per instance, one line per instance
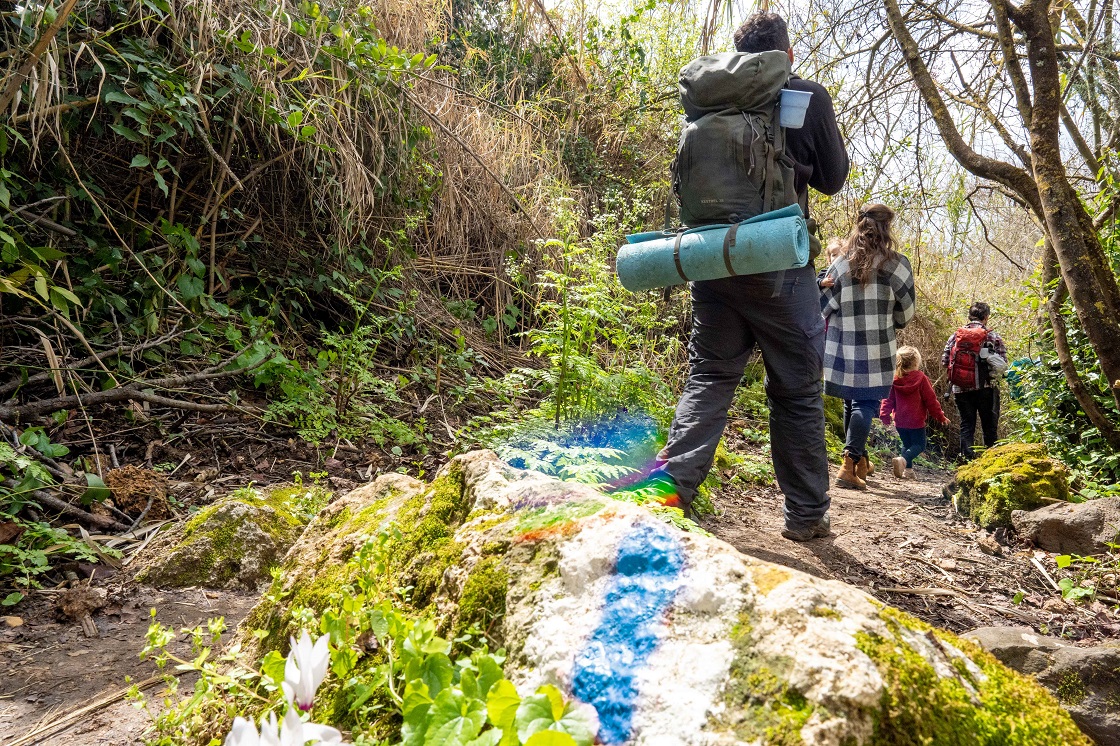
(605, 675)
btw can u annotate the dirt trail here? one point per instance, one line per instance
(902, 535)
(49, 668)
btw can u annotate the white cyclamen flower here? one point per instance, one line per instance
(305, 669)
(290, 732)
(294, 732)
(243, 733)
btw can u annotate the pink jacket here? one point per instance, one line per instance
(912, 399)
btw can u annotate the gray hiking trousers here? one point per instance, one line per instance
(781, 313)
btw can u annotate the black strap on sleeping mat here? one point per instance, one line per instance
(728, 242)
(677, 255)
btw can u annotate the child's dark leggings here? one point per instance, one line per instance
(913, 443)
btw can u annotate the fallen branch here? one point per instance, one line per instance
(45, 375)
(110, 396)
(132, 392)
(922, 591)
(1041, 569)
(48, 500)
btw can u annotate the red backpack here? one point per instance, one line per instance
(964, 356)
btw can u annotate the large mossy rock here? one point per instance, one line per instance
(1017, 476)
(234, 543)
(675, 638)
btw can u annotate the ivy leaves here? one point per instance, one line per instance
(458, 715)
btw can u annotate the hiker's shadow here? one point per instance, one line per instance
(783, 559)
(843, 565)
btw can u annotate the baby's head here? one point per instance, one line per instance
(908, 359)
(835, 249)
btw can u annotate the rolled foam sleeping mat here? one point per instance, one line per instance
(770, 242)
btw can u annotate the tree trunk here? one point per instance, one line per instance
(1084, 265)
(1093, 410)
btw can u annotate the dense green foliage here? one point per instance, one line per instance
(1046, 411)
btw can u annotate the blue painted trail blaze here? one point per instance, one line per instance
(605, 674)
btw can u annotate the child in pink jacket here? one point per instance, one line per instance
(912, 400)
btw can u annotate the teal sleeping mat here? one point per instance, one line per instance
(770, 242)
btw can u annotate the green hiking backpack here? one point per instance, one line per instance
(731, 163)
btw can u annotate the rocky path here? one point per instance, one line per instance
(903, 542)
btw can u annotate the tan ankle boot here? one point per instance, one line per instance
(848, 476)
(870, 466)
(864, 468)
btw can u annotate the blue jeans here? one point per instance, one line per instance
(913, 443)
(857, 424)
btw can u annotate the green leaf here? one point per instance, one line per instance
(501, 704)
(97, 492)
(294, 118)
(190, 286)
(415, 695)
(489, 673)
(454, 720)
(119, 97)
(307, 130)
(127, 133)
(550, 738)
(66, 294)
(1063, 560)
(1018, 598)
(489, 738)
(140, 161)
(41, 286)
(5, 196)
(11, 599)
(435, 670)
(546, 710)
(272, 668)
(48, 254)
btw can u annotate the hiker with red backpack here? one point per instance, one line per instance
(976, 358)
(736, 161)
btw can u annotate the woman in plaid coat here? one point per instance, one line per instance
(871, 298)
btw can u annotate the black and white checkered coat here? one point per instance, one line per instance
(860, 345)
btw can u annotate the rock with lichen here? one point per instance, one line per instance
(673, 637)
(1017, 476)
(233, 543)
(1071, 528)
(1085, 680)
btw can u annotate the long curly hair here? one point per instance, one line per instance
(871, 245)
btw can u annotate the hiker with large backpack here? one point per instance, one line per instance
(736, 162)
(976, 359)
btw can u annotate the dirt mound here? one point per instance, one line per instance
(136, 490)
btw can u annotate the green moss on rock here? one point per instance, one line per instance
(1018, 476)
(482, 602)
(233, 543)
(985, 704)
(761, 706)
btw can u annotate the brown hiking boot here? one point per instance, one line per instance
(899, 464)
(848, 476)
(864, 468)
